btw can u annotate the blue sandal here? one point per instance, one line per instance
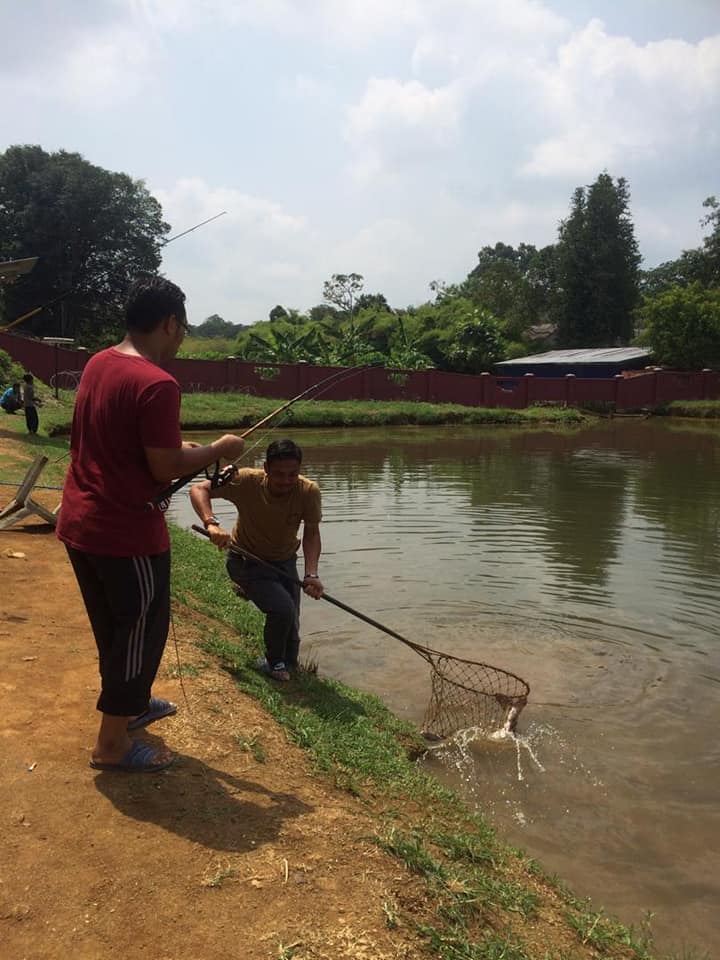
(156, 710)
(140, 758)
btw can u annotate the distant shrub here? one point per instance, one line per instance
(10, 371)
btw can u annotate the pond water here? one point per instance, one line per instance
(585, 561)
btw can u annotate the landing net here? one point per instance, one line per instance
(468, 694)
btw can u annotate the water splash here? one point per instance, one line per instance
(456, 750)
(519, 742)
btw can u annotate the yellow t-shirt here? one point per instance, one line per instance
(267, 525)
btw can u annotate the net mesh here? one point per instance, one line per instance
(466, 694)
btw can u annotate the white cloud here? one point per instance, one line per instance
(610, 102)
(395, 123)
(473, 37)
(238, 264)
(84, 62)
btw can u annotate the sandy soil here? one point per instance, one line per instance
(220, 856)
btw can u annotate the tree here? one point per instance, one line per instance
(93, 230)
(324, 312)
(597, 267)
(711, 243)
(373, 301)
(277, 312)
(342, 290)
(683, 326)
(214, 327)
(477, 344)
(515, 285)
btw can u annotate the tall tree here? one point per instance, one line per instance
(342, 290)
(93, 230)
(597, 267)
(514, 284)
(711, 243)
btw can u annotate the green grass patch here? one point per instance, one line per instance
(236, 411)
(251, 745)
(56, 449)
(699, 409)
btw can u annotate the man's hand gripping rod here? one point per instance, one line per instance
(221, 477)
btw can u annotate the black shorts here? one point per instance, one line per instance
(128, 603)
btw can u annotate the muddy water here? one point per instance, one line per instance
(585, 561)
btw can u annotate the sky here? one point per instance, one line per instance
(390, 138)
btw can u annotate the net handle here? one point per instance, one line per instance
(240, 551)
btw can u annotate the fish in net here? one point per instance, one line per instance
(466, 694)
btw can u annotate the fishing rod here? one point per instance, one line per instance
(220, 478)
(66, 293)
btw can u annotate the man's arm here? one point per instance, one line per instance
(201, 495)
(168, 463)
(312, 547)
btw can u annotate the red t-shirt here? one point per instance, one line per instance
(124, 404)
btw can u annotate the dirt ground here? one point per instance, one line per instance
(224, 855)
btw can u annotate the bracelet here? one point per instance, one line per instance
(211, 522)
(311, 576)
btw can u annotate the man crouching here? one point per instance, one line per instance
(271, 504)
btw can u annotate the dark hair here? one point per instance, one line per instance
(16, 386)
(150, 300)
(27, 377)
(283, 450)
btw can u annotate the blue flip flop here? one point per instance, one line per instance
(140, 758)
(157, 709)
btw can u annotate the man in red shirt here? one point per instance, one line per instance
(125, 448)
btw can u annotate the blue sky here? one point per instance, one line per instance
(391, 138)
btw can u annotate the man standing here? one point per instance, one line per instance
(29, 402)
(271, 504)
(125, 448)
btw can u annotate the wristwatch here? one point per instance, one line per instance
(211, 522)
(311, 576)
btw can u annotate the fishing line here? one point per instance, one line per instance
(94, 277)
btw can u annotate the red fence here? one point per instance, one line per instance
(649, 389)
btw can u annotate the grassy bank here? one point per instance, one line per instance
(699, 409)
(482, 899)
(235, 411)
(22, 449)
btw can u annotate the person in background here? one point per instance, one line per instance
(11, 400)
(271, 504)
(30, 402)
(125, 448)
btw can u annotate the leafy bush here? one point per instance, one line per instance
(682, 326)
(10, 371)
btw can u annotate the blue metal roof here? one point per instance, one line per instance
(582, 355)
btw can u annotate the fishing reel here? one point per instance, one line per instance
(220, 478)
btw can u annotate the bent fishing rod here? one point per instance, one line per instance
(220, 478)
(66, 293)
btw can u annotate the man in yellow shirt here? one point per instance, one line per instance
(271, 504)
